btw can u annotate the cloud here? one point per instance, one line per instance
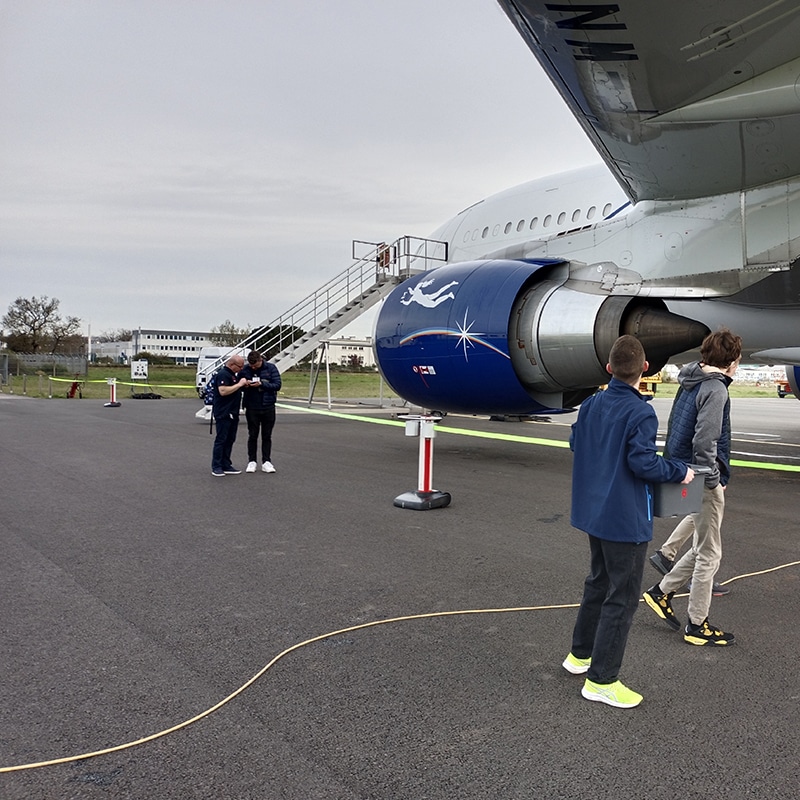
(152, 153)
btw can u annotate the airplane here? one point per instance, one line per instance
(691, 224)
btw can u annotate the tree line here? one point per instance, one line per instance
(35, 325)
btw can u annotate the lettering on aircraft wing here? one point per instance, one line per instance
(430, 300)
(585, 19)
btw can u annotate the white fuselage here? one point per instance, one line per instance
(680, 251)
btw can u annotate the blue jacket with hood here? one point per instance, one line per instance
(615, 465)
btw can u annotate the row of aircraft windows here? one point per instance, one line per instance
(534, 223)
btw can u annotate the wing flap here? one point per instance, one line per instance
(681, 99)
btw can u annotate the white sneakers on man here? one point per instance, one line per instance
(252, 466)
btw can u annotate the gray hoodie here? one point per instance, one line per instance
(699, 424)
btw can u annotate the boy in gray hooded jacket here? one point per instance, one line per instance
(699, 433)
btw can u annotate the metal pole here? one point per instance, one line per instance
(328, 372)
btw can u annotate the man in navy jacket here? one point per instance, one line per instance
(225, 408)
(614, 467)
(260, 394)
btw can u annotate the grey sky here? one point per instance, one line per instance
(176, 163)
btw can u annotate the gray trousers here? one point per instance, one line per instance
(701, 562)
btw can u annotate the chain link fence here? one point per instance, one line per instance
(58, 364)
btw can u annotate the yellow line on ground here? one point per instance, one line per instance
(508, 437)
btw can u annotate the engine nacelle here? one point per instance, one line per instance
(500, 337)
(793, 379)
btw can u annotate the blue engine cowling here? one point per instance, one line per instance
(441, 338)
(512, 337)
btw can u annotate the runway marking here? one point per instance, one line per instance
(362, 626)
(759, 455)
(509, 437)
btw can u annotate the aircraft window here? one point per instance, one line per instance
(496, 230)
(520, 225)
(474, 234)
(606, 209)
(534, 222)
(466, 236)
(590, 213)
(576, 215)
(507, 229)
(485, 233)
(547, 220)
(561, 217)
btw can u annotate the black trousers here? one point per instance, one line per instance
(610, 597)
(260, 420)
(227, 426)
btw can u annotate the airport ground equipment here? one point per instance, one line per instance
(112, 390)
(425, 497)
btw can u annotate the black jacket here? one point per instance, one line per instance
(265, 394)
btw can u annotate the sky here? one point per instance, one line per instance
(174, 164)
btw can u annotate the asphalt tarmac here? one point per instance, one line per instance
(141, 597)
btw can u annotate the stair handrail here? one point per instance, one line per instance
(406, 255)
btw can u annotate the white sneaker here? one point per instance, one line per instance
(251, 466)
(267, 467)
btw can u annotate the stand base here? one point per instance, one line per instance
(112, 405)
(422, 501)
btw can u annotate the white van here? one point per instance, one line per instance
(209, 360)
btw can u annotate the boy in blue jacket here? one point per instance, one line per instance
(615, 465)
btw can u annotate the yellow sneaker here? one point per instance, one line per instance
(612, 694)
(575, 665)
(705, 633)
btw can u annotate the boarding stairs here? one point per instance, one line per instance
(295, 334)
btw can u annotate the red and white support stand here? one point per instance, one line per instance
(425, 496)
(112, 386)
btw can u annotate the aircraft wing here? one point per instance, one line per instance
(789, 356)
(682, 99)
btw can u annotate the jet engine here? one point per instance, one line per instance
(508, 337)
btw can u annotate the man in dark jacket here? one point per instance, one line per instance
(225, 408)
(699, 431)
(260, 394)
(615, 465)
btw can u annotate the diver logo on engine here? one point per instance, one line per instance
(431, 300)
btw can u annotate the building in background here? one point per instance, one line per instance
(351, 352)
(183, 347)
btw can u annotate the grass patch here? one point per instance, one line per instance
(178, 382)
(735, 390)
(175, 381)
